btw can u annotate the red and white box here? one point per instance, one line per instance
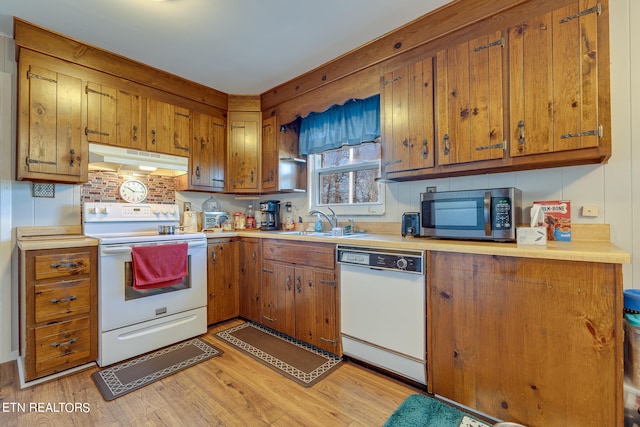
(557, 219)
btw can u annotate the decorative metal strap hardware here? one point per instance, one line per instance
(597, 9)
(328, 282)
(31, 75)
(502, 145)
(447, 144)
(425, 149)
(88, 131)
(268, 318)
(41, 162)
(67, 299)
(327, 340)
(220, 124)
(187, 116)
(89, 90)
(386, 82)
(499, 42)
(237, 127)
(180, 147)
(591, 132)
(265, 270)
(60, 344)
(392, 162)
(521, 132)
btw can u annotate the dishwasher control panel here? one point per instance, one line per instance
(386, 259)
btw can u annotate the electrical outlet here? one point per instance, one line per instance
(590, 211)
(431, 189)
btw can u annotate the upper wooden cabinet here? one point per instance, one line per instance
(269, 148)
(207, 154)
(114, 117)
(553, 81)
(51, 146)
(407, 125)
(243, 152)
(469, 95)
(168, 128)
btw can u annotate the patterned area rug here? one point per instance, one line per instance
(136, 373)
(420, 410)
(296, 360)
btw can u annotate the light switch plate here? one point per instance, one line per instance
(590, 211)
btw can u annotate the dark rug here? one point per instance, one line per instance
(296, 360)
(133, 374)
(419, 410)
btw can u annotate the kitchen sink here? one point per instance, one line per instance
(318, 233)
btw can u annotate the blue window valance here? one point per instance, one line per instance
(354, 122)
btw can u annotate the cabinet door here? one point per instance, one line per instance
(206, 158)
(113, 117)
(278, 307)
(407, 117)
(249, 279)
(269, 155)
(222, 282)
(527, 340)
(168, 128)
(469, 94)
(50, 141)
(243, 151)
(553, 81)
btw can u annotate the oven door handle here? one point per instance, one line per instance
(126, 249)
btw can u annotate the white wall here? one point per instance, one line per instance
(610, 187)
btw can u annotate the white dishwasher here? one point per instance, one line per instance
(383, 308)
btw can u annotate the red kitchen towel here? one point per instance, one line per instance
(159, 266)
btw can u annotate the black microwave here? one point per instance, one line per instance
(490, 214)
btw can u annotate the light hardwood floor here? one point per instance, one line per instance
(229, 390)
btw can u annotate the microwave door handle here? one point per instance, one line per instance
(487, 213)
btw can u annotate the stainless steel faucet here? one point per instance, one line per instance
(333, 220)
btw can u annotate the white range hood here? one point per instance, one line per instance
(126, 160)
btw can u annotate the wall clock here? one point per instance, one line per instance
(133, 191)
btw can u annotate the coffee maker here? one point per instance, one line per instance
(270, 215)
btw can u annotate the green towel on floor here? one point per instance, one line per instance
(422, 411)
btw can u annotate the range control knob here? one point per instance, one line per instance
(401, 263)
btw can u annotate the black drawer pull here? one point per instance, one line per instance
(67, 299)
(66, 265)
(59, 344)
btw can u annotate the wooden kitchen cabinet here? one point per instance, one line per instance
(114, 117)
(269, 147)
(168, 128)
(407, 122)
(554, 79)
(206, 156)
(300, 292)
(58, 309)
(243, 151)
(469, 96)
(250, 278)
(51, 146)
(535, 341)
(222, 281)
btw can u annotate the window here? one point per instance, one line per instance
(344, 179)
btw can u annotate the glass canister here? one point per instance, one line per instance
(239, 221)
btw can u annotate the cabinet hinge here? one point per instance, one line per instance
(392, 162)
(268, 318)
(591, 132)
(220, 124)
(236, 127)
(41, 162)
(88, 131)
(89, 90)
(265, 270)
(386, 82)
(499, 42)
(502, 145)
(328, 282)
(332, 342)
(180, 147)
(187, 116)
(31, 75)
(597, 9)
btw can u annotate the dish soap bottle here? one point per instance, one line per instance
(289, 224)
(319, 224)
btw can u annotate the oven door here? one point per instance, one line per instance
(121, 305)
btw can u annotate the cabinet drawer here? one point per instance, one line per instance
(59, 299)
(60, 265)
(321, 255)
(62, 343)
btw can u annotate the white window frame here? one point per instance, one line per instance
(313, 188)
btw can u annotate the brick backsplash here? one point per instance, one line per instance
(104, 187)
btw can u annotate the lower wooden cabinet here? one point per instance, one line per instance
(58, 309)
(299, 291)
(222, 282)
(534, 341)
(250, 278)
